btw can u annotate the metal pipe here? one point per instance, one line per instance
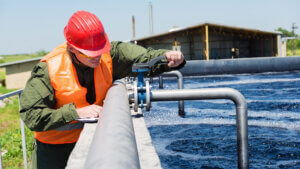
(23, 137)
(11, 94)
(24, 143)
(180, 86)
(242, 65)
(216, 93)
(114, 144)
(160, 82)
(151, 79)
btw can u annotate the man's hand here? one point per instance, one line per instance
(91, 111)
(175, 58)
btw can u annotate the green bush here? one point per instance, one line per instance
(290, 44)
(286, 33)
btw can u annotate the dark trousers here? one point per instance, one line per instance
(50, 156)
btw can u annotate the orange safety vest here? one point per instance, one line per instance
(67, 89)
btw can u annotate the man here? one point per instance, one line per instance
(71, 82)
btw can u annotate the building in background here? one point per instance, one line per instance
(212, 41)
(17, 73)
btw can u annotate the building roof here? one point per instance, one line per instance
(174, 30)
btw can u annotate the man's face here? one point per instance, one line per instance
(91, 62)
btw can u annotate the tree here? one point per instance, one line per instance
(285, 33)
(41, 53)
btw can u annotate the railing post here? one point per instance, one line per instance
(0, 156)
(23, 138)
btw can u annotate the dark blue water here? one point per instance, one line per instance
(206, 138)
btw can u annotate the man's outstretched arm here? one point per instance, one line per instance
(124, 55)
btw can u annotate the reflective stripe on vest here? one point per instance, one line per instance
(70, 126)
(67, 89)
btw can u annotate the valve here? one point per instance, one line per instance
(141, 89)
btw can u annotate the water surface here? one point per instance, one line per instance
(206, 137)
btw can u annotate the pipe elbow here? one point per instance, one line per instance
(237, 98)
(174, 72)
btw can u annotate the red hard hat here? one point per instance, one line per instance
(85, 33)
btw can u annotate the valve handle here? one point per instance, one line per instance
(162, 60)
(158, 60)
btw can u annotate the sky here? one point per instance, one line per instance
(28, 26)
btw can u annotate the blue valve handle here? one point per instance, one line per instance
(140, 68)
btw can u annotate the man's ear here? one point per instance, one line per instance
(71, 49)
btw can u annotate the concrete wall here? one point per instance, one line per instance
(17, 73)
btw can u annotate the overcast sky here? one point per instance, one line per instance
(27, 26)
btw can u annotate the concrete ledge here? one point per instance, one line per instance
(80, 152)
(147, 153)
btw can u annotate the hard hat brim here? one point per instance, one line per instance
(95, 52)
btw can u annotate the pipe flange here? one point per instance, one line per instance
(135, 95)
(148, 103)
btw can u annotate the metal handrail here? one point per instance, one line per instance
(17, 92)
(216, 93)
(11, 94)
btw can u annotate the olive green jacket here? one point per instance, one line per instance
(38, 101)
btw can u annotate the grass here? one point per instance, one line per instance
(2, 73)
(3, 90)
(12, 58)
(10, 134)
(290, 53)
(17, 57)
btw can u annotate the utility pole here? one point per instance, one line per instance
(293, 42)
(150, 18)
(133, 28)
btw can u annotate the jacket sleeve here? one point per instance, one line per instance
(37, 103)
(124, 55)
